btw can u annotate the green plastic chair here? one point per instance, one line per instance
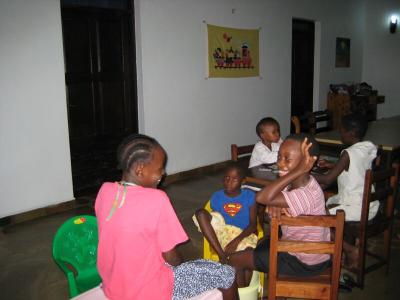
(75, 252)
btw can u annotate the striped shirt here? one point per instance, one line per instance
(307, 200)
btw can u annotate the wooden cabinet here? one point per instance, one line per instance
(343, 104)
(338, 105)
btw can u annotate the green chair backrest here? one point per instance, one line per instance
(75, 244)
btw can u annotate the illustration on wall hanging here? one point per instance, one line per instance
(232, 52)
(342, 53)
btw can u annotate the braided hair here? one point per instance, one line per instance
(135, 148)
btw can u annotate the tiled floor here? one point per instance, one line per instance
(29, 273)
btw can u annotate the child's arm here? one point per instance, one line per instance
(271, 195)
(343, 164)
(251, 228)
(173, 257)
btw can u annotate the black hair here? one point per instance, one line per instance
(234, 165)
(314, 149)
(357, 123)
(265, 121)
(135, 148)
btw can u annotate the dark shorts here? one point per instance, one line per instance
(287, 264)
(352, 229)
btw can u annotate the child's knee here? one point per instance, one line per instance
(242, 259)
(202, 214)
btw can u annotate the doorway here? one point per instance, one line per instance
(303, 39)
(100, 79)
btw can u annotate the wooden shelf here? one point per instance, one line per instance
(343, 104)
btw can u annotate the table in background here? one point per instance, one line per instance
(384, 132)
(260, 176)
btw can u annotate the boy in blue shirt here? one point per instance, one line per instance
(238, 208)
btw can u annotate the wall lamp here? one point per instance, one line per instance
(393, 24)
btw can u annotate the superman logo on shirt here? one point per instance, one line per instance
(232, 208)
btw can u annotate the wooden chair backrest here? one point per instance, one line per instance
(379, 185)
(317, 117)
(296, 124)
(384, 182)
(237, 151)
(377, 163)
(324, 286)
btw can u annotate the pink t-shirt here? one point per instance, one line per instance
(307, 200)
(131, 243)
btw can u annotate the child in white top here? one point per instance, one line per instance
(351, 182)
(266, 150)
(350, 171)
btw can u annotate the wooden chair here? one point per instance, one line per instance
(385, 185)
(296, 124)
(324, 286)
(237, 151)
(75, 252)
(316, 118)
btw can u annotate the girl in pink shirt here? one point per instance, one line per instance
(139, 232)
(295, 193)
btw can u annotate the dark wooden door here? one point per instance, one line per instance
(302, 67)
(101, 91)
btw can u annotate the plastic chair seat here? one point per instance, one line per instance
(75, 252)
(255, 287)
(87, 279)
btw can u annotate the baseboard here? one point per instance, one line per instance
(45, 211)
(88, 201)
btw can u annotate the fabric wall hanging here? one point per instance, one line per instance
(232, 52)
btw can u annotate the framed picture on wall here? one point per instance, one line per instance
(342, 53)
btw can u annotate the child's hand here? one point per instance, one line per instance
(322, 163)
(223, 259)
(276, 212)
(285, 211)
(231, 247)
(307, 163)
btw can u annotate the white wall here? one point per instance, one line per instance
(197, 119)
(35, 168)
(194, 118)
(381, 59)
